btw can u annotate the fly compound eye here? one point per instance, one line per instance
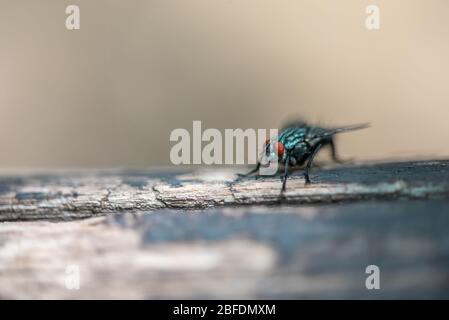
(278, 148)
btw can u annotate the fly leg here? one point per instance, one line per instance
(334, 154)
(309, 163)
(285, 176)
(242, 175)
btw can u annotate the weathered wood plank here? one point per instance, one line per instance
(87, 194)
(307, 251)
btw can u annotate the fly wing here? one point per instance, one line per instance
(330, 132)
(299, 132)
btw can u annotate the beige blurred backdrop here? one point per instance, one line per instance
(110, 93)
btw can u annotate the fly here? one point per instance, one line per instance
(298, 144)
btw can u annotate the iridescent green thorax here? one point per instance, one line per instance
(303, 134)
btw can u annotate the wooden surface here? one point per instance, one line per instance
(86, 194)
(199, 234)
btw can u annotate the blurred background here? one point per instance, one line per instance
(110, 93)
